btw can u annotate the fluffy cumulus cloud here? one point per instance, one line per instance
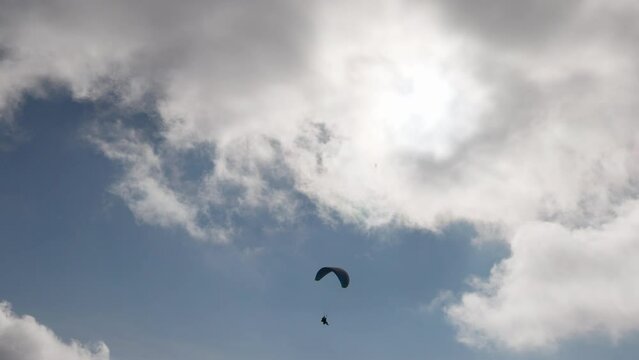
(23, 338)
(519, 116)
(559, 282)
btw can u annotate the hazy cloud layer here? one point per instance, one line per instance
(23, 338)
(513, 115)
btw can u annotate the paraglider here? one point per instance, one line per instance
(341, 275)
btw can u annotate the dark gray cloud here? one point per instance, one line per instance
(94, 47)
(519, 24)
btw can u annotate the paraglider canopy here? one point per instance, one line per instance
(341, 274)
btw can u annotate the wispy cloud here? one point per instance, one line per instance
(442, 300)
(158, 191)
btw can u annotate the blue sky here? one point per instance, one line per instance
(173, 175)
(77, 260)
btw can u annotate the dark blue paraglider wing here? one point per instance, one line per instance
(341, 274)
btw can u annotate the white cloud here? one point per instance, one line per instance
(393, 111)
(557, 284)
(23, 338)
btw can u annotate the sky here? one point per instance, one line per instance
(173, 174)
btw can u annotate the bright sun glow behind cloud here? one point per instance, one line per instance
(422, 114)
(405, 80)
